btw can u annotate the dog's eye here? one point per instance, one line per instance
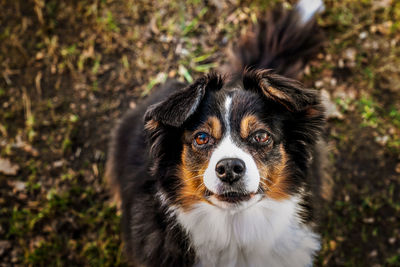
(201, 138)
(262, 137)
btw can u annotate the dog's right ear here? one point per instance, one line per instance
(178, 107)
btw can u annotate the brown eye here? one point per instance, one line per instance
(202, 138)
(261, 137)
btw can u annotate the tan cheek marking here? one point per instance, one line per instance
(193, 189)
(276, 185)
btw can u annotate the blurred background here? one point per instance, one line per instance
(69, 70)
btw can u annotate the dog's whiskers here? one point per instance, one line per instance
(193, 177)
(267, 179)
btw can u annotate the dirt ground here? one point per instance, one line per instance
(69, 70)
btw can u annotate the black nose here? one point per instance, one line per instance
(230, 170)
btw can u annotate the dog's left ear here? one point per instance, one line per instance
(286, 91)
(178, 107)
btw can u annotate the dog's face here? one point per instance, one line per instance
(234, 143)
(233, 150)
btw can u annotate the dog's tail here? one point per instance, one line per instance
(284, 41)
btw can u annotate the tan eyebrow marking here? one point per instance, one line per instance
(193, 189)
(249, 124)
(213, 125)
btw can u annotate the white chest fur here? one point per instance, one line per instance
(267, 233)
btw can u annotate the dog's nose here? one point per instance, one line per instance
(230, 170)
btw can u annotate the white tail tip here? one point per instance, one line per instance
(308, 8)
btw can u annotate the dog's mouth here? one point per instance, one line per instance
(233, 200)
(233, 197)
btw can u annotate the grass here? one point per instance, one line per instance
(69, 70)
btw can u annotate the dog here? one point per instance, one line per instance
(227, 171)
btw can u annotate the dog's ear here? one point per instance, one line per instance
(178, 107)
(288, 92)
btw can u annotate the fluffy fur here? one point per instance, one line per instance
(226, 171)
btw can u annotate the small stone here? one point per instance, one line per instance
(172, 73)
(328, 57)
(132, 105)
(19, 186)
(307, 70)
(95, 170)
(373, 253)
(7, 167)
(78, 152)
(382, 140)
(14, 256)
(369, 220)
(98, 154)
(319, 84)
(363, 35)
(341, 63)
(398, 168)
(375, 45)
(58, 163)
(350, 54)
(331, 110)
(340, 238)
(381, 4)
(4, 246)
(39, 55)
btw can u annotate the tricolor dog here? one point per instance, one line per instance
(226, 171)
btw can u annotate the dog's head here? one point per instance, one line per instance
(234, 142)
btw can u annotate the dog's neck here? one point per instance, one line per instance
(267, 233)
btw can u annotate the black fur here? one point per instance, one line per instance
(143, 159)
(279, 42)
(175, 110)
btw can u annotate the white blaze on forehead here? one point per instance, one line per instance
(228, 149)
(227, 111)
